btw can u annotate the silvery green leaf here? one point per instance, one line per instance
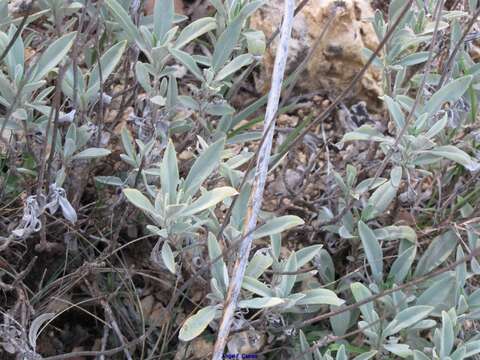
(34, 330)
(168, 257)
(341, 353)
(108, 62)
(304, 347)
(407, 318)
(423, 325)
(381, 198)
(366, 356)
(260, 262)
(203, 167)
(15, 55)
(450, 92)
(169, 176)
(369, 184)
(276, 244)
(461, 270)
(396, 176)
(68, 148)
(401, 350)
(277, 225)
(395, 111)
(437, 127)
(208, 199)
(417, 355)
(256, 42)
(139, 200)
(234, 65)
(68, 211)
(229, 38)
(219, 109)
(163, 13)
(125, 22)
(158, 100)
(91, 153)
(402, 265)
(197, 323)
(188, 61)
(109, 180)
(195, 30)
(260, 302)
(437, 252)
(257, 287)
(455, 154)
(127, 142)
(20, 114)
(377, 62)
(437, 293)
(288, 281)
(55, 53)
(413, 59)
(365, 133)
(325, 267)
(60, 176)
(394, 232)
(361, 292)
(447, 336)
(159, 232)
(143, 77)
(219, 269)
(340, 322)
(320, 297)
(373, 251)
(459, 354)
(473, 348)
(306, 254)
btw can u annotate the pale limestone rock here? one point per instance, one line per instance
(339, 56)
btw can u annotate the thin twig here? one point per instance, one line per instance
(256, 195)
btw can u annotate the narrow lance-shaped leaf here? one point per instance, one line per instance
(218, 266)
(197, 323)
(209, 199)
(91, 153)
(55, 53)
(437, 252)
(124, 20)
(234, 65)
(320, 296)
(188, 61)
(455, 154)
(168, 257)
(258, 264)
(108, 62)
(139, 200)
(229, 38)
(447, 337)
(407, 318)
(194, 30)
(205, 164)
(260, 303)
(450, 92)
(163, 13)
(169, 175)
(288, 281)
(373, 251)
(277, 225)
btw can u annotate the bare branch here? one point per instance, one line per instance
(256, 195)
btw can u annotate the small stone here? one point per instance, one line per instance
(185, 155)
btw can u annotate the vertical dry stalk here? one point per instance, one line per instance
(256, 195)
